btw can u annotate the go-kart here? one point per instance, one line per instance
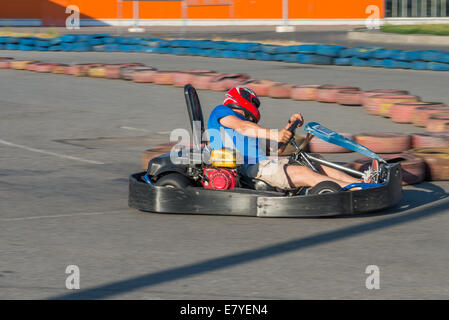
(215, 186)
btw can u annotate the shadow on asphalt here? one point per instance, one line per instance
(416, 197)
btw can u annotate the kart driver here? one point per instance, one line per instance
(237, 119)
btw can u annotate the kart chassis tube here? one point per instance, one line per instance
(246, 202)
(332, 165)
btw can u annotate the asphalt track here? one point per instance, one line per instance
(68, 144)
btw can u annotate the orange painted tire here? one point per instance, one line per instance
(438, 122)
(280, 91)
(381, 104)
(430, 140)
(328, 93)
(403, 112)
(146, 76)
(385, 142)
(305, 92)
(437, 162)
(413, 167)
(59, 68)
(20, 64)
(319, 146)
(81, 70)
(370, 93)
(349, 97)
(259, 86)
(218, 84)
(97, 72)
(421, 114)
(163, 77)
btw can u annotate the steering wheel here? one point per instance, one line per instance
(292, 129)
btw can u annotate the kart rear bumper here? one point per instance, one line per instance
(244, 202)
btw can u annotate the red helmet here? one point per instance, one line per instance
(243, 98)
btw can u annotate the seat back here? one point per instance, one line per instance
(195, 114)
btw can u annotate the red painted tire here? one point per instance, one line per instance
(370, 93)
(413, 167)
(328, 93)
(259, 86)
(180, 79)
(113, 70)
(5, 64)
(163, 77)
(438, 122)
(143, 76)
(127, 73)
(381, 104)
(421, 114)
(228, 81)
(305, 92)
(202, 81)
(385, 142)
(280, 91)
(349, 97)
(436, 160)
(319, 146)
(430, 140)
(403, 112)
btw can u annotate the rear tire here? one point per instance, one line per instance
(324, 187)
(174, 180)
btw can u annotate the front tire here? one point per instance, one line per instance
(324, 187)
(174, 180)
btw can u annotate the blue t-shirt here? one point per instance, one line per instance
(224, 137)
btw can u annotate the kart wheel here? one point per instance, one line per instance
(174, 180)
(324, 187)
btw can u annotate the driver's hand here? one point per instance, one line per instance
(284, 136)
(293, 118)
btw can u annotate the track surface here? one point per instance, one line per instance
(67, 145)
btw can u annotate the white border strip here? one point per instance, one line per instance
(20, 22)
(217, 22)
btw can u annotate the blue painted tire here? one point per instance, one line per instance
(68, 38)
(385, 54)
(342, 61)
(269, 48)
(438, 66)
(329, 50)
(263, 56)
(420, 65)
(41, 48)
(12, 40)
(307, 48)
(81, 47)
(27, 41)
(290, 58)
(348, 53)
(357, 62)
(26, 48)
(376, 63)
(391, 64)
(11, 46)
(42, 43)
(431, 55)
(55, 48)
(313, 59)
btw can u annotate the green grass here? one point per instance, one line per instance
(435, 29)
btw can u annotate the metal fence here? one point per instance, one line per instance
(416, 8)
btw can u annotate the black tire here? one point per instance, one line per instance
(174, 180)
(324, 187)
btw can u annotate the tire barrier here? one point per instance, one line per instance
(328, 93)
(127, 73)
(97, 72)
(437, 162)
(260, 87)
(305, 92)
(59, 68)
(430, 140)
(225, 81)
(438, 122)
(146, 76)
(321, 54)
(280, 91)
(381, 104)
(20, 64)
(163, 77)
(349, 97)
(421, 114)
(370, 93)
(81, 70)
(113, 70)
(320, 146)
(5, 64)
(413, 167)
(403, 112)
(202, 81)
(385, 142)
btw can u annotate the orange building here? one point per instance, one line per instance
(191, 12)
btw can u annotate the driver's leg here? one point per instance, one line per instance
(337, 174)
(300, 176)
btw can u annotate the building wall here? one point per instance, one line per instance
(52, 12)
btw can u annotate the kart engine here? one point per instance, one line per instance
(218, 178)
